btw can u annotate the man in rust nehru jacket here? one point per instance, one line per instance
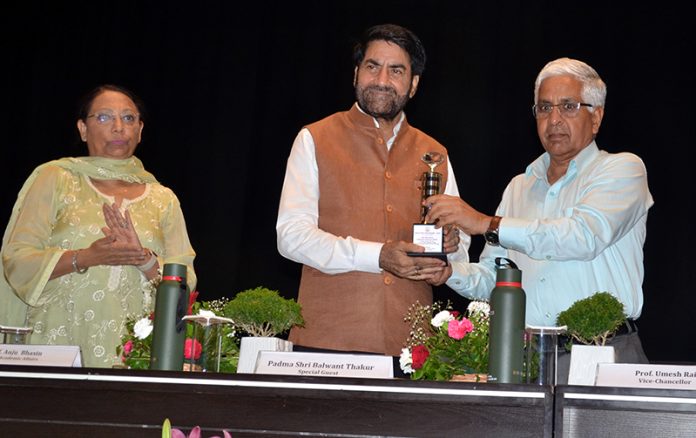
(350, 198)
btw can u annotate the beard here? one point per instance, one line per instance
(381, 102)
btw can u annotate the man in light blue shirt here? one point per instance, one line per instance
(574, 222)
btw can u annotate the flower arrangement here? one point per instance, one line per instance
(443, 343)
(136, 345)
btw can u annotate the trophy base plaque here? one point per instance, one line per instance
(436, 255)
(430, 238)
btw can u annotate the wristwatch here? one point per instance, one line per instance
(491, 235)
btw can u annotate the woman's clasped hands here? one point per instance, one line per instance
(120, 244)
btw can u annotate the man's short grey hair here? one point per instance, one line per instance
(594, 90)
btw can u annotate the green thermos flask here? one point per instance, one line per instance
(169, 331)
(507, 324)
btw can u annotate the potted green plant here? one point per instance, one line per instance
(591, 321)
(136, 342)
(264, 315)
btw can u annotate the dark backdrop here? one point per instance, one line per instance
(228, 88)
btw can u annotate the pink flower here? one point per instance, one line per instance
(192, 346)
(196, 433)
(127, 348)
(419, 354)
(458, 329)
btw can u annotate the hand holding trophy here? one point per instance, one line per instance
(425, 234)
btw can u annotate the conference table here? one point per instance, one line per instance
(77, 402)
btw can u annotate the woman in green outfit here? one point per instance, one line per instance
(87, 236)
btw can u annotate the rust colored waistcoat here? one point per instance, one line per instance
(371, 194)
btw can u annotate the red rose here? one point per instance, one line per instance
(419, 354)
(192, 346)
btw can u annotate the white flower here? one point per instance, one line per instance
(143, 328)
(478, 307)
(405, 361)
(441, 318)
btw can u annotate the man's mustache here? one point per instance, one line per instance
(381, 89)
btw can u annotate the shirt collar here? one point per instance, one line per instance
(540, 166)
(397, 127)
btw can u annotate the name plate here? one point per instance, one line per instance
(646, 376)
(429, 237)
(325, 365)
(41, 355)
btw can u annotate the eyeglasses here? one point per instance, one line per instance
(104, 118)
(567, 109)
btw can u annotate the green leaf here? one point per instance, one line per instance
(166, 429)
